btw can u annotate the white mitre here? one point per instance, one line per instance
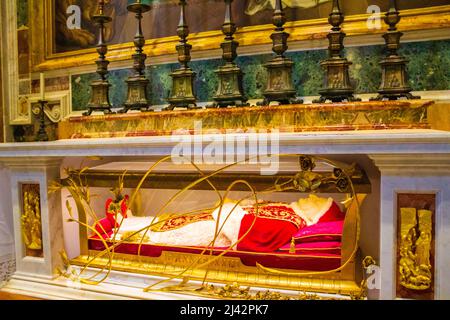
(311, 209)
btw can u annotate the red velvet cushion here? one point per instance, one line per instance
(333, 214)
(104, 223)
(332, 247)
(321, 231)
(266, 235)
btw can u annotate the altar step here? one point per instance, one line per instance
(10, 297)
(119, 286)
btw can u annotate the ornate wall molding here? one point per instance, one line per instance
(7, 268)
(58, 107)
(10, 66)
(6, 241)
(413, 164)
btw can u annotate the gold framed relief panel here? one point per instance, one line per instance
(58, 107)
(67, 38)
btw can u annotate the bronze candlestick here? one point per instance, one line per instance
(279, 86)
(42, 133)
(100, 88)
(338, 87)
(394, 82)
(183, 78)
(138, 83)
(230, 91)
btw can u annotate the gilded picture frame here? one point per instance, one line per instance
(302, 31)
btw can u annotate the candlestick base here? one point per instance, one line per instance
(183, 90)
(137, 94)
(338, 87)
(99, 98)
(394, 80)
(230, 91)
(279, 85)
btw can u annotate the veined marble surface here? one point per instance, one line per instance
(7, 269)
(119, 285)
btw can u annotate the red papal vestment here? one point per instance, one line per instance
(265, 228)
(270, 226)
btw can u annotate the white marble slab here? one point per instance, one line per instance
(354, 142)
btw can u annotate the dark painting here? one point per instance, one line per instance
(75, 30)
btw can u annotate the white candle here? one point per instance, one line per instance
(42, 86)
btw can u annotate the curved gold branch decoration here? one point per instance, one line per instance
(304, 181)
(362, 294)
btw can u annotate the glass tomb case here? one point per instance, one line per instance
(297, 230)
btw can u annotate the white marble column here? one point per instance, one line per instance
(7, 262)
(421, 174)
(37, 171)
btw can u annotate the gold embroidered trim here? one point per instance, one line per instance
(319, 235)
(181, 221)
(277, 212)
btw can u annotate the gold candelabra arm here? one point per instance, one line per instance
(230, 45)
(100, 88)
(230, 92)
(137, 91)
(183, 48)
(336, 36)
(394, 80)
(338, 86)
(183, 90)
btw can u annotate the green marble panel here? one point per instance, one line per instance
(255, 75)
(206, 82)
(160, 82)
(365, 72)
(307, 72)
(429, 69)
(81, 89)
(429, 65)
(118, 92)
